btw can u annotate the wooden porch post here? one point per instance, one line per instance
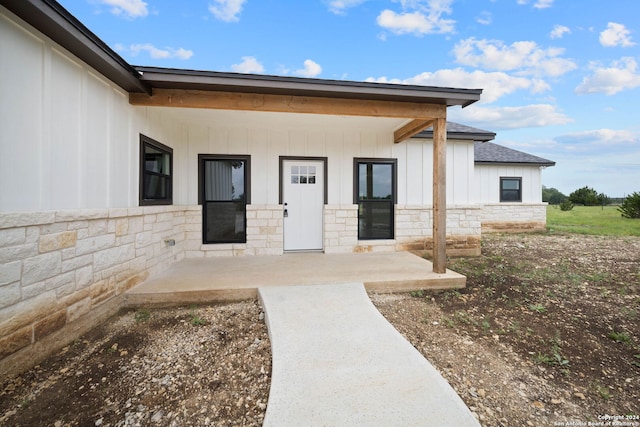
(439, 196)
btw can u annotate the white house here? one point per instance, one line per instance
(110, 173)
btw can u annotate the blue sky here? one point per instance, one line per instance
(561, 78)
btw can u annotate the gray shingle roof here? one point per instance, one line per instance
(488, 152)
(458, 131)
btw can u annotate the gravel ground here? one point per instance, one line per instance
(545, 334)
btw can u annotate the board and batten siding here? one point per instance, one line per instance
(487, 182)
(66, 131)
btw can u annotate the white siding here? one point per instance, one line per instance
(66, 136)
(487, 182)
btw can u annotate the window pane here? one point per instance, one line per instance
(224, 180)
(376, 181)
(375, 219)
(511, 184)
(156, 160)
(155, 187)
(225, 222)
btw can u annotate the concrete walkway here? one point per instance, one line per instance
(338, 362)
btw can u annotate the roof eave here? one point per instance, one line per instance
(168, 78)
(50, 18)
(545, 164)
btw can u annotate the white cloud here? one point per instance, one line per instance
(154, 52)
(543, 4)
(621, 75)
(128, 8)
(496, 118)
(485, 18)
(226, 10)
(523, 56)
(559, 31)
(339, 7)
(311, 69)
(616, 35)
(539, 4)
(495, 84)
(600, 137)
(418, 17)
(249, 65)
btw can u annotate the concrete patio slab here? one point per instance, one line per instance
(338, 362)
(235, 278)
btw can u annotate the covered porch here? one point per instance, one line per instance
(205, 280)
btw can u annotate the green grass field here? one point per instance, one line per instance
(592, 220)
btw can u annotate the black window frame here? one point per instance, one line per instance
(145, 142)
(504, 199)
(202, 158)
(357, 161)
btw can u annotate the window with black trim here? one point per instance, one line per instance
(156, 180)
(375, 194)
(224, 195)
(510, 189)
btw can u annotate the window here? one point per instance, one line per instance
(156, 164)
(375, 195)
(224, 194)
(510, 189)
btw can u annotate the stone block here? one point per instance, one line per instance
(13, 236)
(17, 253)
(264, 214)
(23, 219)
(33, 290)
(10, 272)
(41, 267)
(110, 257)
(84, 276)
(11, 294)
(54, 242)
(79, 308)
(61, 280)
(76, 262)
(136, 224)
(14, 342)
(49, 324)
(122, 227)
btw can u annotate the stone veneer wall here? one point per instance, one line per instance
(514, 217)
(413, 230)
(264, 234)
(64, 272)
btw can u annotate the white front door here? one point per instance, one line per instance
(303, 203)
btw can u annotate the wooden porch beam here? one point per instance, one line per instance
(440, 196)
(410, 129)
(287, 104)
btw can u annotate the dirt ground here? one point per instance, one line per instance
(545, 334)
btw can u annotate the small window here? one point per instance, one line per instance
(375, 195)
(224, 194)
(156, 181)
(510, 189)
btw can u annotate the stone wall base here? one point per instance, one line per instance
(514, 227)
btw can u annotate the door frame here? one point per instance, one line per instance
(324, 161)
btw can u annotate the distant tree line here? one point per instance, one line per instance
(587, 196)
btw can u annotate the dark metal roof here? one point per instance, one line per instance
(171, 78)
(458, 131)
(490, 153)
(54, 21)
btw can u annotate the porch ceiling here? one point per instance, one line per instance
(271, 120)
